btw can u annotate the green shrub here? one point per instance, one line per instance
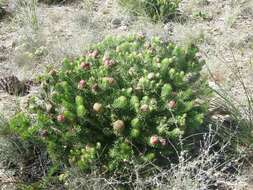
(126, 98)
(156, 9)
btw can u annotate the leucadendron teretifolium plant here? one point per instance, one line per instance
(126, 98)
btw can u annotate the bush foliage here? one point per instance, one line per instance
(126, 98)
(155, 9)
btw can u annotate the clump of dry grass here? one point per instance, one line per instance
(239, 107)
(236, 101)
(27, 13)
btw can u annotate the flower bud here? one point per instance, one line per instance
(163, 141)
(144, 108)
(118, 126)
(97, 107)
(172, 104)
(151, 76)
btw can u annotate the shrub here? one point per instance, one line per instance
(156, 9)
(126, 98)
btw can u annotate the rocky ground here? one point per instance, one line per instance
(221, 28)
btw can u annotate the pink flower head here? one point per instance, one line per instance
(93, 54)
(110, 80)
(60, 118)
(154, 140)
(144, 108)
(172, 104)
(163, 141)
(94, 88)
(108, 62)
(81, 84)
(85, 66)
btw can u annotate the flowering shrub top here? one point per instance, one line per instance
(126, 98)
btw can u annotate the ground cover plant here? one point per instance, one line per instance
(127, 98)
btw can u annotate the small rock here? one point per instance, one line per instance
(13, 44)
(2, 12)
(116, 22)
(3, 58)
(124, 28)
(2, 48)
